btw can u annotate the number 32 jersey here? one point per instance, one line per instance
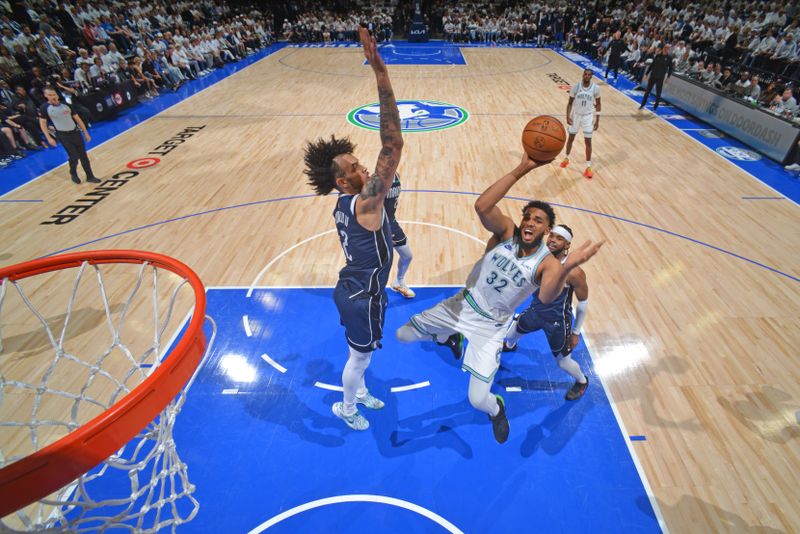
(501, 280)
(368, 254)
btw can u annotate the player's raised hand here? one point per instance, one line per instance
(371, 50)
(527, 164)
(582, 254)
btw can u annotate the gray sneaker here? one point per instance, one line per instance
(355, 421)
(373, 403)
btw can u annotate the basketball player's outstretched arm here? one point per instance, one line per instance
(370, 204)
(492, 217)
(554, 274)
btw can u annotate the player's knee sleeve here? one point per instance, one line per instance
(360, 359)
(405, 253)
(570, 366)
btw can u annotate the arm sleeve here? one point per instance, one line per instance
(580, 316)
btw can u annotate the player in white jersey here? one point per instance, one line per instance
(515, 264)
(583, 113)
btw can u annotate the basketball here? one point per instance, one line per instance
(543, 138)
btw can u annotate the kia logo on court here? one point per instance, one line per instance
(739, 154)
(415, 115)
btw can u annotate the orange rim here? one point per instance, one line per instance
(53, 467)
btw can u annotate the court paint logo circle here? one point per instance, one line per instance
(142, 163)
(415, 115)
(739, 154)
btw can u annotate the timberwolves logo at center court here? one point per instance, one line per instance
(415, 115)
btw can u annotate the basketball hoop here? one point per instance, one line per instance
(47, 488)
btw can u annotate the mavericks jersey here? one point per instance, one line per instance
(501, 281)
(392, 198)
(368, 254)
(584, 98)
(561, 305)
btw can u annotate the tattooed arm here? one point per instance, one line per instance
(369, 207)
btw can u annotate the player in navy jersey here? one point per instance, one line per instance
(555, 318)
(399, 240)
(515, 264)
(365, 234)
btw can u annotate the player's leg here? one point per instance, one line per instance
(572, 130)
(527, 322)
(362, 318)
(558, 332)
(588, 128)
(434, 324)
(481, 360)
(404, 257)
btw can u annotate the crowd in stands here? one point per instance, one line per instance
(95, 45)
(745, 49)
(748, 49)
(321, 25)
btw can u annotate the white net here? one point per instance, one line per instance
(54, 379)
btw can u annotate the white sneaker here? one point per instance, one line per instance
(355, 421)
(404, 290)
(793, 167)
(373, 403)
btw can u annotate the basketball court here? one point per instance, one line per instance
(689, 423)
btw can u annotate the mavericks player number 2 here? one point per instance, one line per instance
(343, 239)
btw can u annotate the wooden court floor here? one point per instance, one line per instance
(694, 302)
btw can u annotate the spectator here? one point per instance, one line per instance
(754, 91)
(726, 81)
(784, 103)
(768, 95)
(742, 85)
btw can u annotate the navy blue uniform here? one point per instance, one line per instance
(390, 206)
(554, 318)
(360, 292)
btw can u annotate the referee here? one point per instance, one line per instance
(660, 69)
(66, 122)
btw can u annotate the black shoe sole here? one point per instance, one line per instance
(574, 398)
(500, 427)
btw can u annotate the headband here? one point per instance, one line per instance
(563, 232)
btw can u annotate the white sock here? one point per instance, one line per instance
(589, 163)
(353, 379)
(512, 334)
(571, 366)
(403, 261)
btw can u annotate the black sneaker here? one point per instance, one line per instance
(500, 422)
(456, 344)
(509, 348)
(577, 390)
(93, 180)
(641, 107)
(75, 178)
